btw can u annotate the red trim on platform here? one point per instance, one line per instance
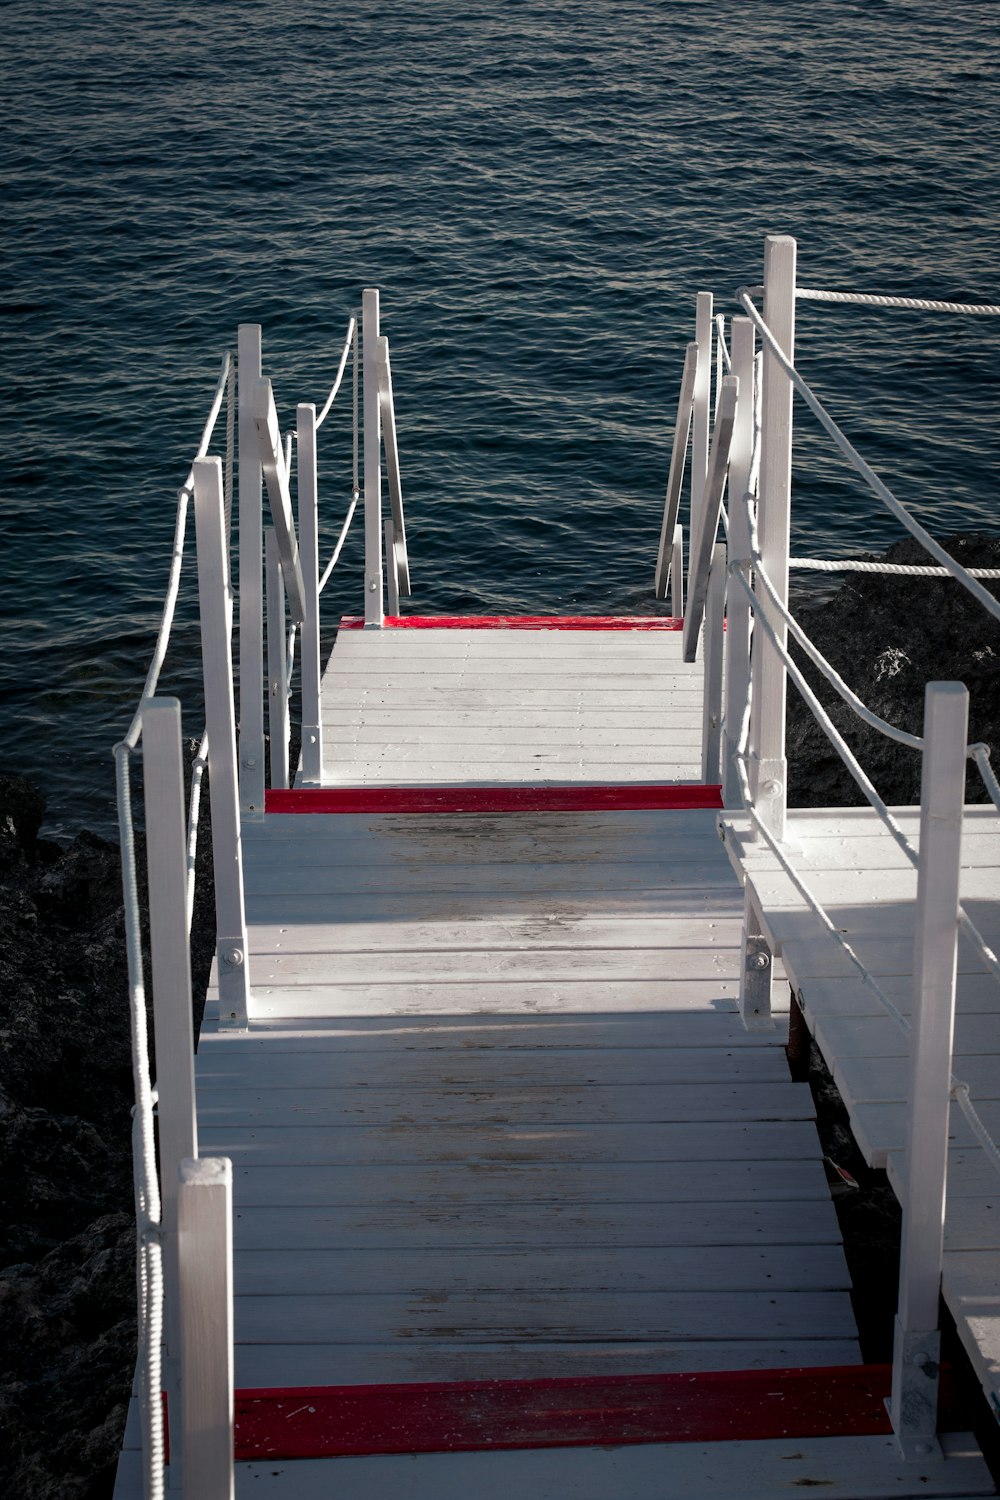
(492, 799)
(465, 1416)
(520, 622)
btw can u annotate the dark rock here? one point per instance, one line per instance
(887, 636)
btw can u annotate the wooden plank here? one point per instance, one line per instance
(480, 966)
(280, 1364)
(546, 931)
(455, 876)
(647, 1315)
(576, 1068)
(444, 1272)
(486, 1228)
(376, 1107)
(559, 998)
(500, 1143)
(485, 1184)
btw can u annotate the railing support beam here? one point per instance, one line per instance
(277, 663)
(715, 623)
(374, 583)
(942, 797)
(217, 666)
(768, 764)
(308, 498)
(738, 619)
(251, 592)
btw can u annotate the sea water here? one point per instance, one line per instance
(539, 188)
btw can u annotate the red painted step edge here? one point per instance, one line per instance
(454, 1417)
(520, 622)
(492, 799)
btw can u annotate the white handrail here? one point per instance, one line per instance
(351, 338)
(675, 479)
(880, 488)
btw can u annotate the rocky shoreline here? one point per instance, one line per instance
(67, 1288)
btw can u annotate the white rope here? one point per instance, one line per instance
(906, 570)
(340, 541)
(963, 1098)
(290, 658)
(912, 741)
(915, 304)
(131, 737)
(991, 605)
(147, 1188)
(761, 622)
(351, 329)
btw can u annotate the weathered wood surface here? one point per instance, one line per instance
(456, 1170)
(868, 887)
(411, 707)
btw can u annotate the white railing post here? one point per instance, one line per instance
(374, 608)
(942, 799)
(666, 559)
(205, 1246)
(251, 543)
(308, 498)
(768, 765)
(173, 1026)
(756, 975)
(715, 621)
(277, 662)
(217, 668)
(738, 605)
(701, 420)
(677, 573)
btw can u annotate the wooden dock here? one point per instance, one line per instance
(496, 1116)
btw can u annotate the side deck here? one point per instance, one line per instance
(868, 889)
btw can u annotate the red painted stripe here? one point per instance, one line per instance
(492, 799)
(330, 1421)
(520, 622)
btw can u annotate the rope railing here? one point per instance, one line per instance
(148, 1204)
(903, 570)
(350, 342)
(877, 299)
(880, 488)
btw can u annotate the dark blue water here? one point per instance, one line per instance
(539, 189)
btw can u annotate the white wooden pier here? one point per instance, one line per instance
(524, 1197)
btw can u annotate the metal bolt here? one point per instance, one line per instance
(372, 587)
(759, 961)
(234, 957)
(249, 761)
(922, 1448)
(771, 788)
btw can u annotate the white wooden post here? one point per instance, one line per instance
(677, 574)
(702, 416)
(205, 1244)
(251, 593)
(715, 619)
(173, 1027)
(704, 534)
(768, 765)
(388, 419)
(757, 972)
(665, 558)
(738, 605)
(942, 799)
(277, 662)
(374, 609)
(308, 497)
(217, 669)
